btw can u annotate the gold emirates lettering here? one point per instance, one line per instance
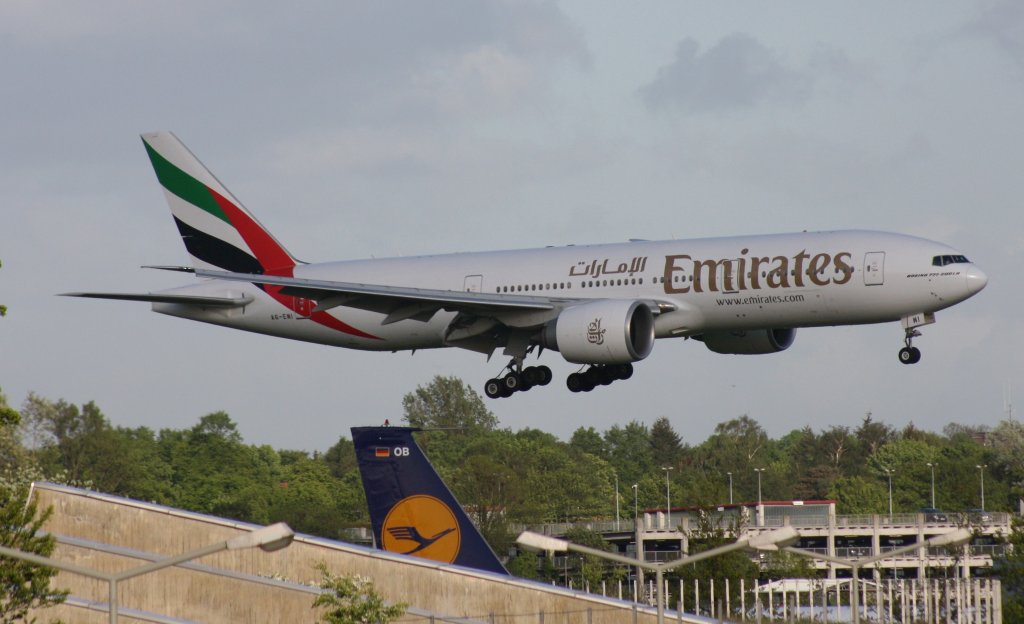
(745, 273)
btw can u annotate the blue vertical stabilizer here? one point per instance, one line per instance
(413, 512)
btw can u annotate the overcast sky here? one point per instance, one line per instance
(395, 128)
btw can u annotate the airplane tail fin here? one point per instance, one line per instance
(219, 233)
(411, 509)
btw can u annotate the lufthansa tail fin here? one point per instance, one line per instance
(412, 511)
(217, 230)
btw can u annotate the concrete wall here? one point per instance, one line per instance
(252, 594)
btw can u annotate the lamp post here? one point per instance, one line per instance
(981, 471)
(760, 509)
(889, 474)
(616, 500)
(771, 540)
(636, 509)
(730, 487)
(953, 538)
(932, 466)
(268, 538)
(668, 497)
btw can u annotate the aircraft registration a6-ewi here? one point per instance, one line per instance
(599, 306)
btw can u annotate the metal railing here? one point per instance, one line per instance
(851, 521)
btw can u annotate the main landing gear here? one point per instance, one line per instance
(598, 375)
(518, 379)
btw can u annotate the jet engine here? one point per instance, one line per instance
(607, 331)
(749, 342)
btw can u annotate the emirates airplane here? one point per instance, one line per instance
(600, 306)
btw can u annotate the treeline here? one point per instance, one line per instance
(523, 476)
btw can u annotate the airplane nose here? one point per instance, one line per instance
(976, 280)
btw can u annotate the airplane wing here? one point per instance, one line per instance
(196, 300)
(479, 314)
(398, 302)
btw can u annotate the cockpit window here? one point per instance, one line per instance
(944, 260)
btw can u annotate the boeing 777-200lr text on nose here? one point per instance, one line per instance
(599, 306)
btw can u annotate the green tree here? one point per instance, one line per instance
(711, 532)
(341, 458)
(1009, 568)
(352, 599)
(12, 453)
(447, 402)
(71, 439)
(304, 498)
(590, 570)
(859, 495)
(590, 441)
(214, 472)
(629, 451)
(23, 585)
(666, 445)
(871, 436)
(525, 564)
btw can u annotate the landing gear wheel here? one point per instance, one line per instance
(545, 375)
(512, 382)
(625, 371)
(910, 355)
(532, 376)
(494, 389)
(574, 382)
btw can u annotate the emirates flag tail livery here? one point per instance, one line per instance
(411, 509)
(600, 306)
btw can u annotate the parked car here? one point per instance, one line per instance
(978, 516)
(932, 514)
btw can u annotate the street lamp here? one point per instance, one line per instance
(616, 500)
(668, 497)
(771, 540)
(636, 509)
(981, 471)
(760, 509)
(268, 538)
(932, 466)
(889, 473)
(730, 487)
(953, 538)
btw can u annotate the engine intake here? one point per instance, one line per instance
(608, 331)
(749, 342)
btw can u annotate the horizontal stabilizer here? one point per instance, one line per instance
(195, 300)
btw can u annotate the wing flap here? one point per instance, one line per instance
(194, 300)
(396, 300)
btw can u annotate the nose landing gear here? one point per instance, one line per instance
(910, 354)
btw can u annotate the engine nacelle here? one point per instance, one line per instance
(750, 342)
(607, 331)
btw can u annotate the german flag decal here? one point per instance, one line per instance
(381, 451)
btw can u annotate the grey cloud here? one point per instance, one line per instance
(1003, 25)
(269, 65)
(737, 72)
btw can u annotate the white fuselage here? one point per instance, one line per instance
(716, 284)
